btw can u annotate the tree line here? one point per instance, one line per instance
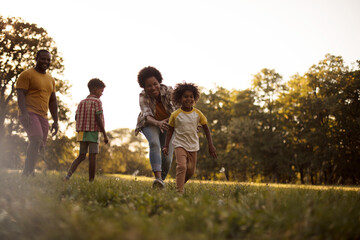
(305, 129)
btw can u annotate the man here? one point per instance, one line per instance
(36, 95)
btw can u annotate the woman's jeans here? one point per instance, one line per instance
(159, 162)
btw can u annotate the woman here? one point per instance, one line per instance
(156, 107)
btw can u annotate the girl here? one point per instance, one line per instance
(184, 122)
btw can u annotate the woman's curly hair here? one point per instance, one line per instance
(147, 72)
(179, 90)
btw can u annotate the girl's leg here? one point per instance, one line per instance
(191, 165)
(92, 166)
(166, 160)
(152, 134)
(181, 159)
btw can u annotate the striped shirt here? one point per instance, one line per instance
(85, 114)
(148, 105)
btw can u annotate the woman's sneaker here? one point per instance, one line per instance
(158, 183)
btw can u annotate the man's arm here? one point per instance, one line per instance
(24, 116)
(101, 126)
(53, 106)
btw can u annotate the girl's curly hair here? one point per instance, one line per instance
(147, 72)
(179, 90)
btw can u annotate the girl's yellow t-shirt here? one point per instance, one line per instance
(185, 128)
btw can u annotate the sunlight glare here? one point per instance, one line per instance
(8, 28)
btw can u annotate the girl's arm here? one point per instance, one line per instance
(212, 149)
(167, 141)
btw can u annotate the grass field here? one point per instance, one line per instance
(122, 207)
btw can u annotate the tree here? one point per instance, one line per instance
(347, 114)
(323, 130)
(243, 127)
(334, 100)
(296, 114)
(269, 146)
(217, 107)
(19, 42)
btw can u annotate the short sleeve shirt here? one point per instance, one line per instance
(86, 114)
(185, 128)
(39, 88)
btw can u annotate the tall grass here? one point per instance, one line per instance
(45, 207)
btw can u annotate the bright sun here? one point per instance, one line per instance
(8, 28)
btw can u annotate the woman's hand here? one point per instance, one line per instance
(163, 125)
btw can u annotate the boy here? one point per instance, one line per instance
(89, 122)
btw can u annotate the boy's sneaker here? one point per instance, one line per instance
(158, 183)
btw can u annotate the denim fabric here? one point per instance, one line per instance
(156, 141)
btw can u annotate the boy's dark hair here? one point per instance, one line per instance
(179, 90)
(147, 72)
(95, 83)
(41, 51)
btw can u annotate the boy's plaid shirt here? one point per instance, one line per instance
(85, 114)
(148, 105)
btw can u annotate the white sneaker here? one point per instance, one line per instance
(158, 183)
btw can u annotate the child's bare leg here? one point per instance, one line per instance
(92, 166)
(191, 165)
(75, 164)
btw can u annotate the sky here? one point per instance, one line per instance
(208, 42)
